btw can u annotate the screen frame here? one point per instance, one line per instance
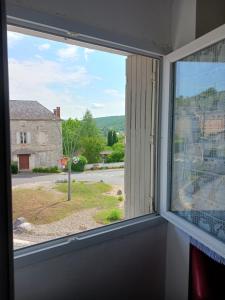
(166, 139)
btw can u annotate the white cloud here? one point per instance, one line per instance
(43, 47)
(13, 38)
(97, 106)
(87, 52)
(68, 52)
(36, 79)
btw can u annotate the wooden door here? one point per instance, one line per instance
(24, 161)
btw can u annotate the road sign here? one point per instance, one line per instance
(75, 160)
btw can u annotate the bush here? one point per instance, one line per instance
(120, 198)
(54, 169)
(116, 156)
(109, 216)
(79, 167)
(114, 215)
(118, 147)
(14, 168)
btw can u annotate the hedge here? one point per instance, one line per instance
(14, 168)
(53, 169)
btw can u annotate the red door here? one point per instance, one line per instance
(24, 161)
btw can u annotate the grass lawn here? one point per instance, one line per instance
(43, 206)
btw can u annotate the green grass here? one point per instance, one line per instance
(41, 206)
(90, 195)
(109, 216)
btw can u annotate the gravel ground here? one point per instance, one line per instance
(75, 223)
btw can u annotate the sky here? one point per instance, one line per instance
(193, 78)
(72, 77)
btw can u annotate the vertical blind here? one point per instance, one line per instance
(141, 125)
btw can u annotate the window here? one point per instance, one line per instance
(23, 138)
(94, 137)
(198, 169)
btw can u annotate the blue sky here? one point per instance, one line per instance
(72, 77)
(194, 77)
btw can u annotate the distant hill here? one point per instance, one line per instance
(116, 123)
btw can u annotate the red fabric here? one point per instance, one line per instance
(207, 277)
(200, 281)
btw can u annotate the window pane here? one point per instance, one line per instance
(68, 140)
(198, 153)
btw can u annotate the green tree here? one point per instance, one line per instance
(71, 136)
(71, 144)
(88, 125)
(92, 142)
(110, 138)
(115, 137)
(91, 148)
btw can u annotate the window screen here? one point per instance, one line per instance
(198, 139)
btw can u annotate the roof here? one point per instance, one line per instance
(29, 110)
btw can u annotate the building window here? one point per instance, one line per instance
(198, 176)
(23, 137)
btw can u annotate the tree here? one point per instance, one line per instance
(115, 137)
(71, 144)
(112, 137)
(91, 140)
(91, 148)
(88, 125)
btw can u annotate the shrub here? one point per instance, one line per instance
(116, 156)
(114, 215)
(14, 167)
(118, 147)
(109, 216)
(120, 198)
(79, 167)
(53, 169)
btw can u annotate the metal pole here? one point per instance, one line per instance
(69, 180)
(6, 235)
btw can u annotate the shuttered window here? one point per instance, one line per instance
(141, 126)
(23, 137)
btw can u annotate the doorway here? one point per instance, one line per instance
(24, 162)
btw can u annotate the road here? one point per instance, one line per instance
(115, 176)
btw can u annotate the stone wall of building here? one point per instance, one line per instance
(44, 144)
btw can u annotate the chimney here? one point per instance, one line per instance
(56, 112)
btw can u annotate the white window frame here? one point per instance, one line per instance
(166, 121)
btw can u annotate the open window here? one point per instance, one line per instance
(85, 143)
(193, 145)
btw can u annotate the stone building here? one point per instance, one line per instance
(36, 139)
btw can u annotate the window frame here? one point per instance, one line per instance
(166, 139)
(101, 234)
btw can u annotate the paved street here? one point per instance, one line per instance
(115, 176)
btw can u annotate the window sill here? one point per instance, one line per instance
(50, 249)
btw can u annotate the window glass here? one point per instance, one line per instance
(71, 138)
(198, 148)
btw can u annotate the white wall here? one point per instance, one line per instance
(183, 22)
(177, 264)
